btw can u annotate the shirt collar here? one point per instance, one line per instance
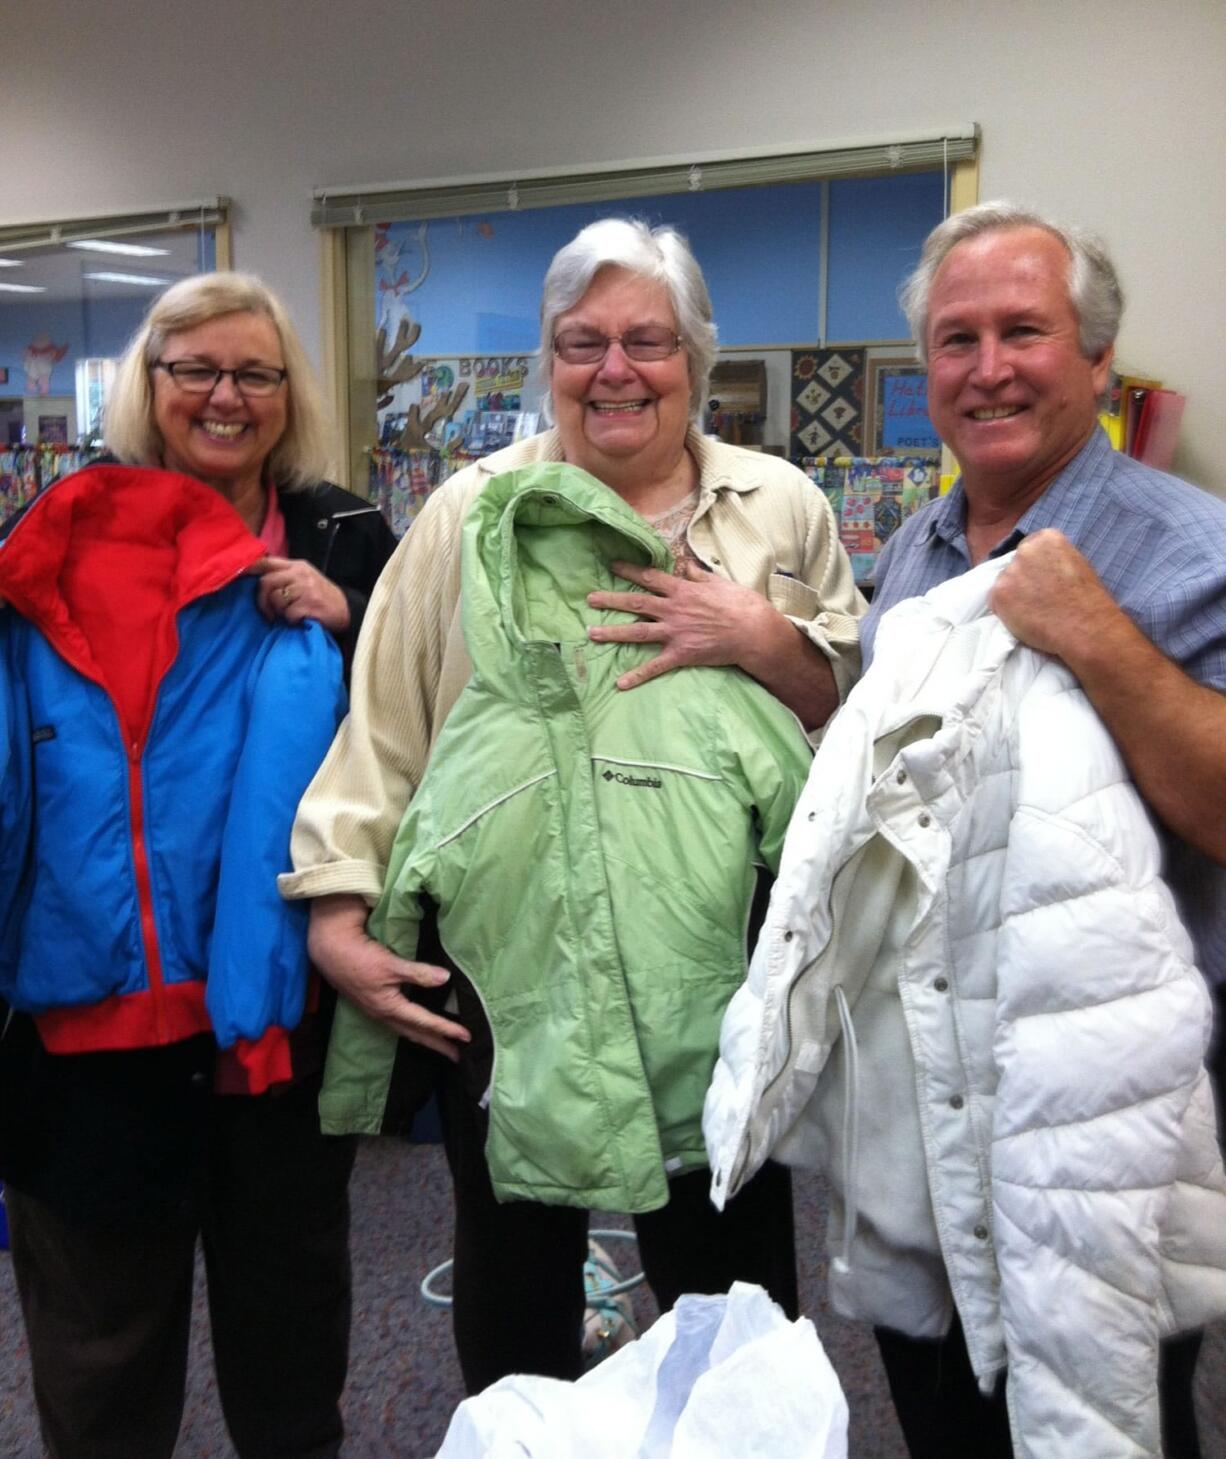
(1066, 501)
(721, 468)
(1063, 505)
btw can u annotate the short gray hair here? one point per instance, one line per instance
(303, 454)
(1093, 284)
(661, 255)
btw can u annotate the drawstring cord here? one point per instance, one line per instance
(851, 1133)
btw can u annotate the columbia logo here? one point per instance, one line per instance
(648, 782)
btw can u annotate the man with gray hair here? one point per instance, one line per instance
(1119, 571)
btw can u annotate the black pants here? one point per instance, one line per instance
(518, 1278)
(936, 1396)
(107, 1303)
(943, 1415)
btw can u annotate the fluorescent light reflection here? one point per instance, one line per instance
(129, 250)
(112, 278)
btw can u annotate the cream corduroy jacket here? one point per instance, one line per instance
(759, 521)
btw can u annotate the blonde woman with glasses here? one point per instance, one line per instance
(160, 1068)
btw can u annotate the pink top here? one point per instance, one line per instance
(272, 534)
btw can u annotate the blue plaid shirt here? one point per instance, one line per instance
(1159, 546)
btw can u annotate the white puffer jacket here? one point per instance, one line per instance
(971, 883)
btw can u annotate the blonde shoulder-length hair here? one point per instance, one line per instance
(300, 458)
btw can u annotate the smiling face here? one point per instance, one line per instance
(622, 416)
(1009, 389)
(221, 438)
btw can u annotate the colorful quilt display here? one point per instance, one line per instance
(827, 403)
(870, 498)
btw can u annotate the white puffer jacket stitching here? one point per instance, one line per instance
(970, 865)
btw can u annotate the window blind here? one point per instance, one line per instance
(49, 232)
(354, 206)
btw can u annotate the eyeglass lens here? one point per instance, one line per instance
(197, 378)
(584, 347)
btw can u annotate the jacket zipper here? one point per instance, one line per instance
(334, 521)
(144, 888)
(140, 846)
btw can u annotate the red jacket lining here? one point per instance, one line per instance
(148, 541)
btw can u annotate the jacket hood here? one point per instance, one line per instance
(537, 541)
(103, 560)
(206, 541)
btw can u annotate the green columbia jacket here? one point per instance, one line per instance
(591, 853)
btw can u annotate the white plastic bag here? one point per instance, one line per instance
(716, 1378)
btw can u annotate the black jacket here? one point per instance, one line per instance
(346, 538)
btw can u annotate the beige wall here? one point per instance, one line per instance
(1111, 114)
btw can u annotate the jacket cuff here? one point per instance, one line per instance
(838, 638)
(357, 878)
(254, 1066)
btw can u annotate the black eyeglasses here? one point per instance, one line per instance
(586, 347)
(194, 377)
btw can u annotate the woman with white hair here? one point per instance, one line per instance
(761, 583)
(158, 1073)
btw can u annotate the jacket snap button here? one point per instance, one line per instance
(925, 819)
(956, 1102)
(941, 985)
(322, 525)
(981, 1232)
(901, 777)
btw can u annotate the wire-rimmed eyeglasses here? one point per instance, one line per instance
(588, 347)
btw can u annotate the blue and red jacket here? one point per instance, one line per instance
(156, 734)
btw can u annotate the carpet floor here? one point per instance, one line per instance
(404, 1382)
